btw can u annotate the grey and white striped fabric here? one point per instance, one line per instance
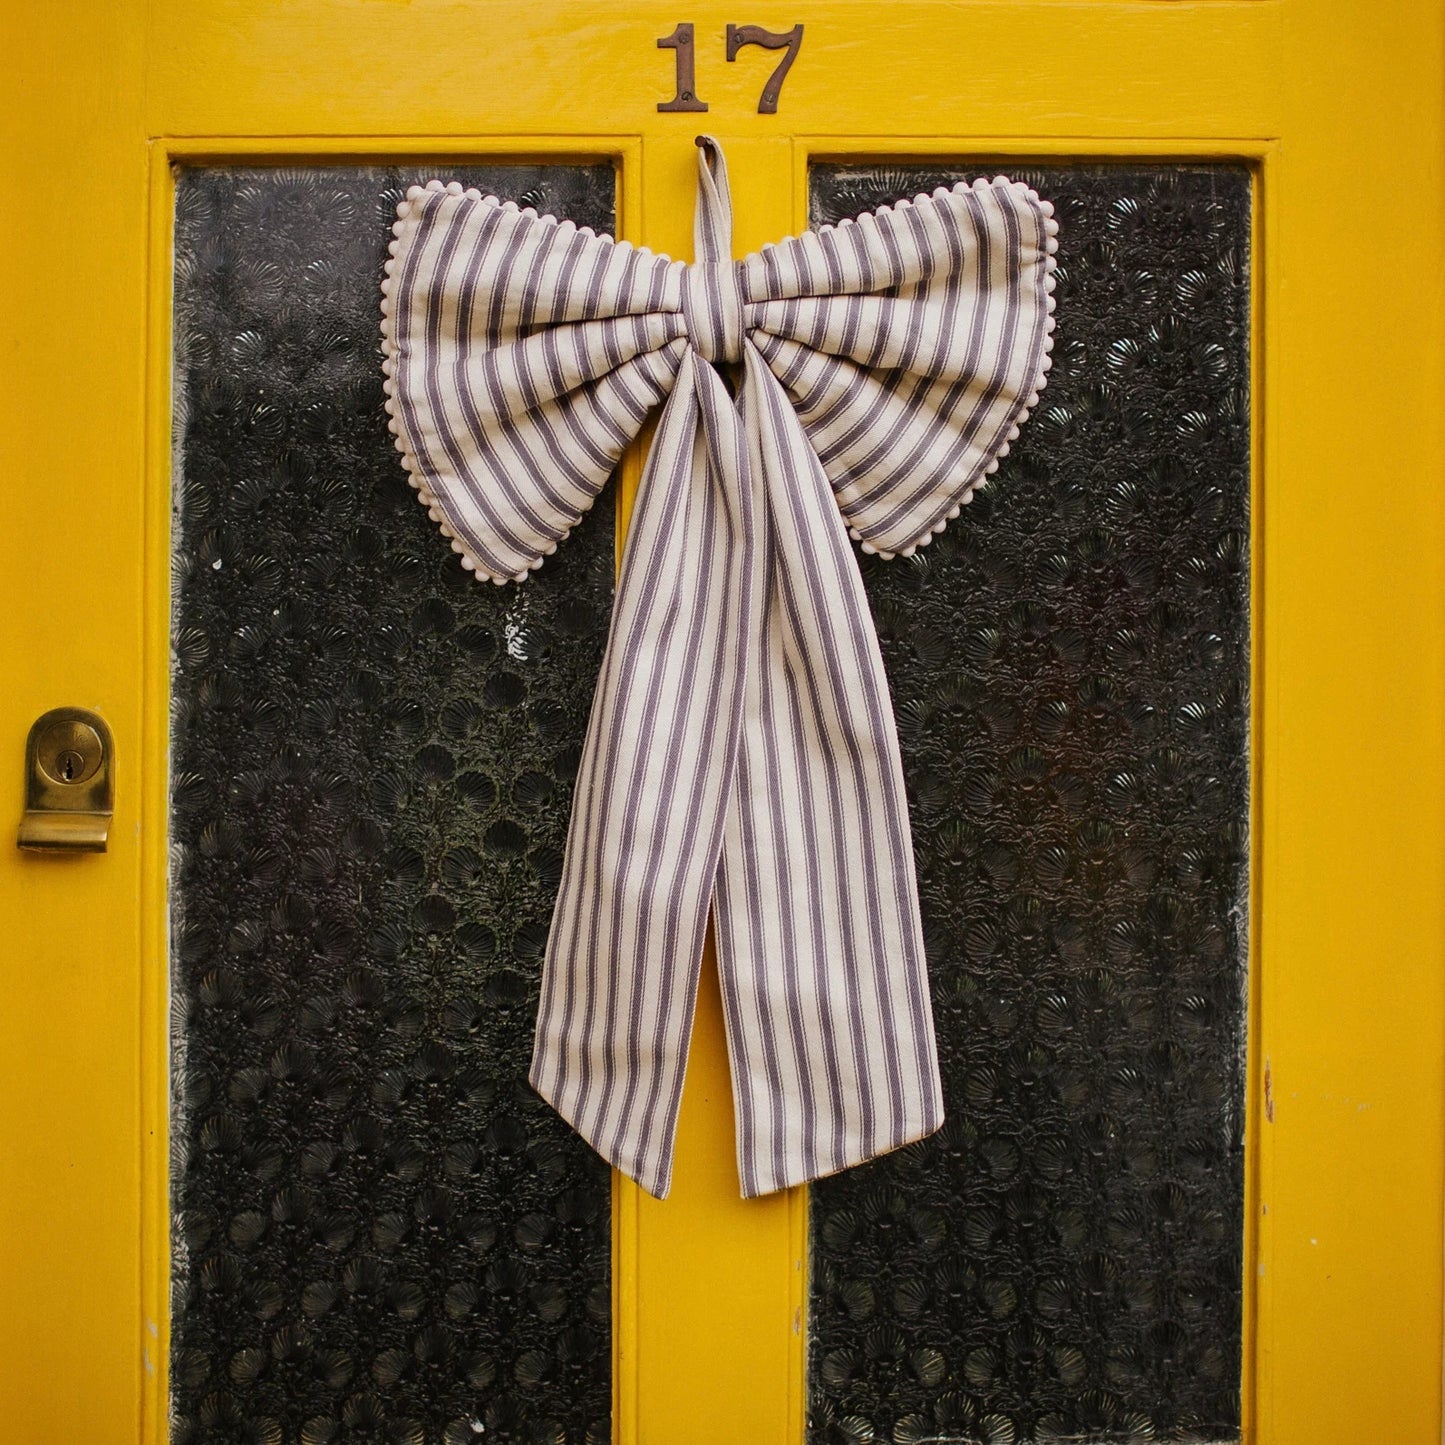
(741, 756)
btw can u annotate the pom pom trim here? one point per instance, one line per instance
(406, 222)
(1037, 382)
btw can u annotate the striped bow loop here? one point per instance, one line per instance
(741, 756)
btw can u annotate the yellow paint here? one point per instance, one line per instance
(1337, 103)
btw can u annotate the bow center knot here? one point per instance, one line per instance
(712, 309)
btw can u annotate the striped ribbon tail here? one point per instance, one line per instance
(625, 950)
(820, 951)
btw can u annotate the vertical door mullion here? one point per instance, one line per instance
(708, 1297)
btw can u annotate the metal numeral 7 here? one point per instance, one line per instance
(740, 35)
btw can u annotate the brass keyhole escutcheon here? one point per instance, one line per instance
(69, 751)
(69, 783)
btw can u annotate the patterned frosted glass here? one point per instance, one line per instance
(1070, 668)
(381, 1233)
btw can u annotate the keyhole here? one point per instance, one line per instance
(70, 765)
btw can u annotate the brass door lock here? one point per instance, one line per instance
(69, 783)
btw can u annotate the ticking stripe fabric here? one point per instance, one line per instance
(741, 760)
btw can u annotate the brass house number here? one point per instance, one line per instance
(680, 42)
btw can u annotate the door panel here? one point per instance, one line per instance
(1070, 666)
(377, 1224)
(1335, 107)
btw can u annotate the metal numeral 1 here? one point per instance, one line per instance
(686, 98)
(740, 35)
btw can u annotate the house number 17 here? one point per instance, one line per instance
(680, 42)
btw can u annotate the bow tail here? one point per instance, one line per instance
(820, 948)
(624, 953)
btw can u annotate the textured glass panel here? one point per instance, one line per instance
(1070, 667)
(381, 1233)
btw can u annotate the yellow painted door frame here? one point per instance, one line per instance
(1338, 107)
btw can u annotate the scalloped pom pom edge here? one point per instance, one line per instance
(406, 220)
(1039, 380)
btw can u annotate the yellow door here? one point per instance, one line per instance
(1329, 118)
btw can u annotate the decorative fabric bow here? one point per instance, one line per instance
(741, 754)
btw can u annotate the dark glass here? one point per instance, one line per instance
(1070, 667)
(381, 1233)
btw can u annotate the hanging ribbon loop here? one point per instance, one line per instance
(712, 219)
(712, 295)
(741, 757)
